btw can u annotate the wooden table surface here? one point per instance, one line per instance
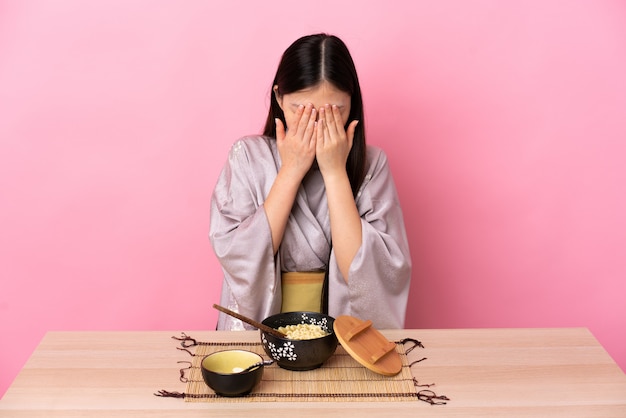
(561, 372)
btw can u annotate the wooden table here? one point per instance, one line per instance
(484, 372)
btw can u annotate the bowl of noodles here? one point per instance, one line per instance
(310, 339)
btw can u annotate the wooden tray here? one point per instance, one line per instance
(367, 345)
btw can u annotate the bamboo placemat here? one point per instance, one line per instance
(341, 378)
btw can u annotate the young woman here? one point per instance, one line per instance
(308, 200)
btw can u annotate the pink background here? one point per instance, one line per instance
(504, 123)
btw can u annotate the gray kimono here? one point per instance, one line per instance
(380, 273)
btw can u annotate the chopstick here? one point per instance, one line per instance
(252, 322)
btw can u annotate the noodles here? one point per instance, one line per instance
(303, 331)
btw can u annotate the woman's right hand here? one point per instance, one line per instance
(296, 145)
(296, 148)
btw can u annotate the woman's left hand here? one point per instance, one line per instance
(333, 142)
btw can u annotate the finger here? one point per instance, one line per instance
(295, 121)
(321, 126)
(337, 115)
(350, 132)
(320, 138)
(280, 129)
(310, 127)
(305, 117)
(313, 141)
(330, 120)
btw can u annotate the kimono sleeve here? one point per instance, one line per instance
(240, 232)
(380, 274)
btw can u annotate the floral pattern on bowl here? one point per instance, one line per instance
(279, 353)
(321, 322)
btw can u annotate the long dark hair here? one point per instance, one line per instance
(306, 63)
